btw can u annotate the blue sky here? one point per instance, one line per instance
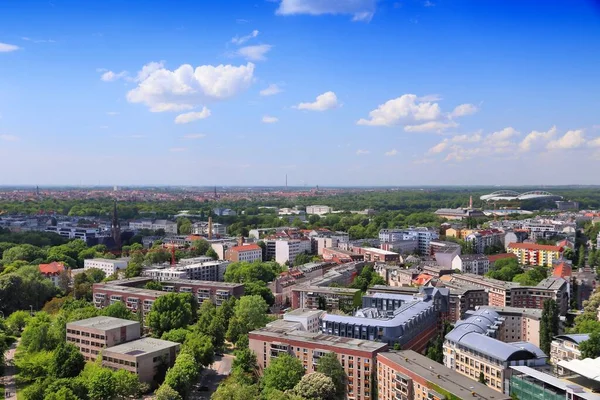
(356, 92)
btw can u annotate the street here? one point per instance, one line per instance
(8, 380)
(212, 376)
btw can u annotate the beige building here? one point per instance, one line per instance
(93, 335)
(358, 357)
(519, 325)
(566, 347)
(408, 375)
(141, 357)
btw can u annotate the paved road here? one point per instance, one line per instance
(211, 377)
(10, 390)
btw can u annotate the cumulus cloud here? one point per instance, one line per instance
(361, 10)
(271, 90)
(110, 76)
(7, 48)
(391, 153)
(186, 87)
(502, 139)
(325, 101)
(463, 110)
(536, 137)
(404, 110)
(192, 116)
(239, 40)
(269, 120)
(439, 148)
(431, 126)
(430, 97)
(571, 140)
(254, 53)
(8, 138)
(467, 138)
(361, 152)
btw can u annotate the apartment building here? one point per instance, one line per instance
(109, 267)
(483, 239)
(203, 228)
(52, 271)
(357, 357)
(331, 298)
(552, 288)
(472, 349)
(408, 375)
(424, 237)
(566, 347)
(338, 255)
(372, 254)
(285, 250)
(246, 253)
(402, 246)
(519, 324)
(93, 335)
(142, 357)
(308, 319)
(536, 254)
(73, 232)
(203, 271)
(169, 227)
(477, 264)
(499, 292)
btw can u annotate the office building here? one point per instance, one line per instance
(307, 319)
(203, 228)
(109, 267)
(566, 347)
(407, 375)
(318, 210)
(499, 292)
(477, 264)
(536, 254)
(91, 336)
(424, 236)
(518, 324)
(285, 250)
(142, 357)
(74, 232)
(357, 357)
(531, 384)
(246, 253)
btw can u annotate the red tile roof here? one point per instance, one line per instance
(496, 257)
(54, 268)
(534, 246)
(562, 270)
(422, 279)
(248, 247)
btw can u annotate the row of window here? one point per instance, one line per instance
(86, 334)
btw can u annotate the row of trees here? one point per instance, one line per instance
(587, 322)
(509, 270)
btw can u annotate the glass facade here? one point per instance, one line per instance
(527, 389)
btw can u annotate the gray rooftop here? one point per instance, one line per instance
(325, 289)
(555, 382)
(526, 312)
(304, 312)
(445, 378)
(575, 338)
(551, 283)
(103, 323)
(141, 346)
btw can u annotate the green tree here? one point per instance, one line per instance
(153, 285)
(176, 335)
(102, 385)
(302, 258)
(63, 393)
(201, 348)
(33, 365)
(17, 321)
(212, 254)
(199, 247)
(171, 311)
(166, 392)
(283, 373)
(183, 374)
(245, 361)
(37, 335)
(234, 390)
(482, 378)
(118, 310)
(127, 384)
(581, 257)
(250, 313)
(331, 367)
(548, 325)
(316, 386)
(591, 347)
(67, 361)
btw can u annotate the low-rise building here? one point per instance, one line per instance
(338, 255)
(408, 375)
(484, 239)
(52, 271)
(247, 253)
(308, 319)
(170, 227)
(566, 347)
(372, 254)
(203, 271)
(142, 357)
(318, 210)
(477, 264)
(91, 336)
(109, 267)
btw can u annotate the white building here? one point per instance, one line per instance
(424, 236)
(108, 266)
(318, 210)
(72, 232)
(309, 319)
(201, 228)
(154, 225)
(204, 271)
(471, 263)
(225, 212)
(287, 250)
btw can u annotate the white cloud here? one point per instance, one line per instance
(361, 10)
(439, 148)
(391, 153)
(8, 138)
(177, 149)
(7, 48)
(269, 120)
(431, 126)
(271, 90)
(404, 110)
(463, 110)
(325, 101)
(594, 142)
(466, 138)
(430, 97)
(428, 3)
(192, 136)
(535, 137)
(501, 139)
(112, 113)
(187, 87)
(361, 152)
(192, 116)
(570, 140)
(239, 40)
(254, 53)
(28, 39)
(110, 76)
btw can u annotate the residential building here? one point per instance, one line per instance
(472, 349)
(484, 239)
(340, 256)
(318, 210)
(74, 232)
(331, 298)
(401, 246)
(499, 292)
(408, 375)
(519, 324)
(170, 227)
(93, 335)
(247, 253)
(424, 236)
(553, 288)
(109, 267)
(536, 254)
(204, 271)
(372, 254)
(308, 319)
(52, 271)
(357, 357)
(203, 227)
(142, 357)
(566, 347)
(477, 264)
(528, 383)
(285, 250)
(444, 252)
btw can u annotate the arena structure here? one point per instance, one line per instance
(511, 195)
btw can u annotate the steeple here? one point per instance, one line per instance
(116, 227)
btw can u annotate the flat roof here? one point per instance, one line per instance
(108, 260)
(303, 312)
(325, 289)
(588, 367)
(205, 283)
(320, 339)
(103, 323)
(441, 376)
(141, 346)
(555, 382)
(529, 312)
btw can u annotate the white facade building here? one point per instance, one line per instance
(72, 232)
(309, 319)
(424, 236)
(205, 271)
(287, 250)
(201, 228)
(471, 264)
(108, 266)
(318, 210)
(154, 225)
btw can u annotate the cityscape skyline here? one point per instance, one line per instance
(330, 93)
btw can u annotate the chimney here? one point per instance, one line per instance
(471, 202)
(210, 228)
